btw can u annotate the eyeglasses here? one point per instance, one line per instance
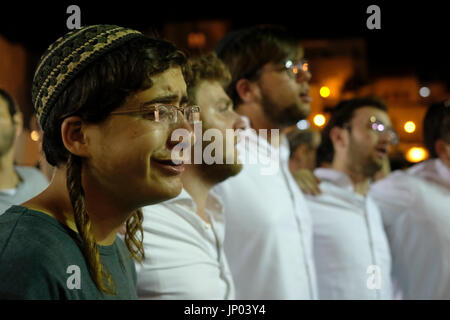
(379, 127)
(164, 113)
(294, 69)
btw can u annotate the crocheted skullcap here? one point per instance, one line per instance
(68, 56)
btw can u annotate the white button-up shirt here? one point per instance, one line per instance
(268, 234)
(184, 254)
(351, 251)
(415, 206)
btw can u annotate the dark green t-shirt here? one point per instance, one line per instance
(41, 258)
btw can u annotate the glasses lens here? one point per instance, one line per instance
(298, 69)
(166, 113)
(192, 114)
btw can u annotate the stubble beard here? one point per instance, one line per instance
(284, 118)
(364, 164)
(219, 172)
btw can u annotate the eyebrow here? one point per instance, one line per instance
(224, 100)
(166, 99)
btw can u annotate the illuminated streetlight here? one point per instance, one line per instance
(416, 154)
(409, 127)
(324, 92)
(319, 120)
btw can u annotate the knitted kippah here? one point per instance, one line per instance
(67, 56)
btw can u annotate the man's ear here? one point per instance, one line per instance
(338, 138)
(245, 90)
(442, 150)
(18, 123)
(73, 136)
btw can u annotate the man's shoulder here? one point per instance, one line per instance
(29, 234)
(399, 181)
(31, 175)
(396, 194)
(35, 253)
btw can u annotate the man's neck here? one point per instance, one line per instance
(9, 178)
(361, 183)
(105, 215)
(198, 187)
(259, 121)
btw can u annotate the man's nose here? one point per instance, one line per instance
(304, 76)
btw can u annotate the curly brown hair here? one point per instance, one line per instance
(206, 68)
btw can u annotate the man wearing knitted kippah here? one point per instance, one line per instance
(108, 99)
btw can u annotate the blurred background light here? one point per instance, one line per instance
(196, 39)
(324, 92)
(319, 120)
(424, 92)
(303, 124)
(416, 154)
(34, 135)
(409, 127)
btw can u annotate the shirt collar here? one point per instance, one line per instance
(213, 202)
(336, 177)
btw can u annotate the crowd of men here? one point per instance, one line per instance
(262, 213)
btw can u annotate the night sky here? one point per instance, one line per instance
(413, 35)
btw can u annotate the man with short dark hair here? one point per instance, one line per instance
(415, 206)
(268, 234)
(17, 183)
(350, 247)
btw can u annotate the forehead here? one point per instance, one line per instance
(300, 53)
(170, 80)
(168, 87)
(210, 91)
(293, 56)
(363, 114)
(168, 84)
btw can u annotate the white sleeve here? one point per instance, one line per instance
(394, 196)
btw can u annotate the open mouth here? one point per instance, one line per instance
(305, 96)
(173, 166)
(381, 151)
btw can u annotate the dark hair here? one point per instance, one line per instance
(207, 67)
(436, 125)
(92, 95)
(341, 115)
(9, 102)
(246, 51)
(105, 84)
